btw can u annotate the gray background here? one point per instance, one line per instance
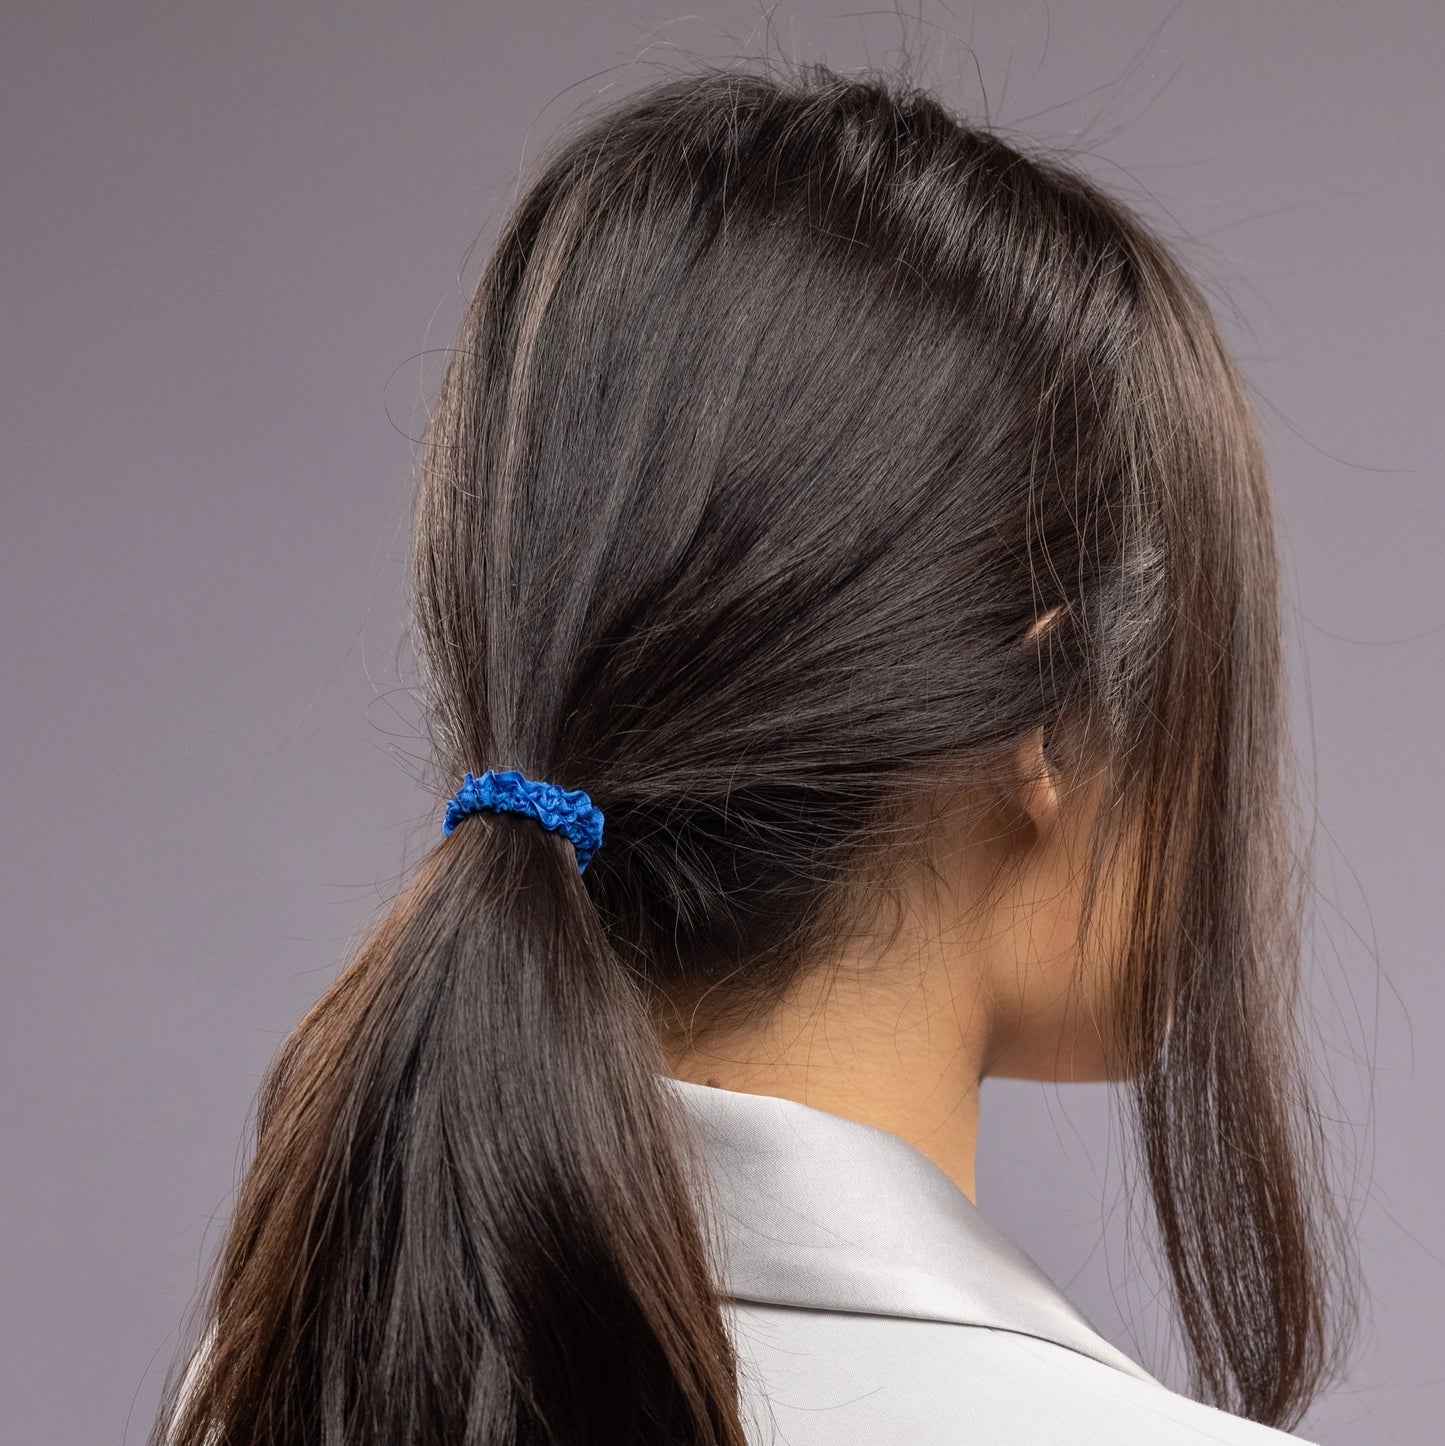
(229, 232)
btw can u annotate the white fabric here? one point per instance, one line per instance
(873, 1303)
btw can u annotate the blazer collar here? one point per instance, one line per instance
(807, 1208)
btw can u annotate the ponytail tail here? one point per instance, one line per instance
(468, 1219)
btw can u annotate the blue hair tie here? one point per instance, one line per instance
(508, 791)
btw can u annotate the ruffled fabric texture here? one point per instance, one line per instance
(507, 790)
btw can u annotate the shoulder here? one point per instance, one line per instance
(813, 1376)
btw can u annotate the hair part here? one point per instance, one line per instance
(783, 410)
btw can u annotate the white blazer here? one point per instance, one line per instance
(872, 1303)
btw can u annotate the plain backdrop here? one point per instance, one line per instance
(233, 239)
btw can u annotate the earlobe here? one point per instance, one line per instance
(1038, 793)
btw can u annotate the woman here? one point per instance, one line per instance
(863, 517)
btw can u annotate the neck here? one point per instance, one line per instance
(906, 1060)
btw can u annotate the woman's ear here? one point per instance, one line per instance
(1038, 792)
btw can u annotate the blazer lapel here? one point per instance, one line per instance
(807, 1208)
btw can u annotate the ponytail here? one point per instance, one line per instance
(467, 1219)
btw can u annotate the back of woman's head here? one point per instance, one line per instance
(784, 410)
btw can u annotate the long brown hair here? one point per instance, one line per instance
(784, 408)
